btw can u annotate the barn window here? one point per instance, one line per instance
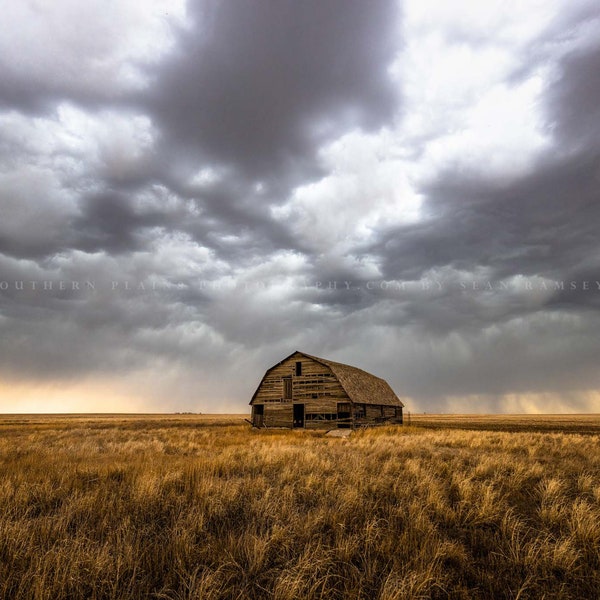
(299, 368)
(321, 416)
(359, 411)
(287, 388)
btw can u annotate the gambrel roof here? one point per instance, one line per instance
(361, 387)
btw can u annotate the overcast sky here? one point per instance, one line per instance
(189, 191)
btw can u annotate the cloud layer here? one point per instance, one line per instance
(189, 192)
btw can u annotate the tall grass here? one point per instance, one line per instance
(198, 511)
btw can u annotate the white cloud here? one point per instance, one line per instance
(206, 177)
(500, 136)
(109, 143)
(48, 163)
(464, 107)
(508, 22)
(78, 144)
(463, 110)
(368, 187)
(176, 257)
(87, 46)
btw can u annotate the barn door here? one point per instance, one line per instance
(344, 415)
(259, 412)
(298, 415)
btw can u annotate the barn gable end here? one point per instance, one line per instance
(309, 392)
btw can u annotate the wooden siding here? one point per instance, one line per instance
(316, 380)
(317, 389)
(389, 412)
(373, 411)
(326, 403)
(278, 415)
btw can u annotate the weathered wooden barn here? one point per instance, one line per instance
(314, 393)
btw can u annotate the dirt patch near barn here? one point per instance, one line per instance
(342, 433)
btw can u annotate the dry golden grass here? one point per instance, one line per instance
(584, 423)
(185, 507)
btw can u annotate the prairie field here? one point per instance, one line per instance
(180, 507)
(567, 423)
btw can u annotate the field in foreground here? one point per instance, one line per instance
(182, 507)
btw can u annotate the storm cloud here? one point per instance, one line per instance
(191, 191)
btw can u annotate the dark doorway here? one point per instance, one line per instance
(259, 412)
(298, 415)
(344, 415)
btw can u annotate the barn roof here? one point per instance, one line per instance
(361, 387)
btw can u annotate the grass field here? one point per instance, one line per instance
(588, 423)
(204, 507)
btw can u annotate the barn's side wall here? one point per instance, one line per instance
(373, 411)
(389, 412)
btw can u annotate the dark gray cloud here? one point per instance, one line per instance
(541, 224)
(109, 222)
(572, 105)
(260, 84)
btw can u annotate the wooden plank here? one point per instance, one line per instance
(326, 425)
(316, 379)
(373, 411)
(278, 415)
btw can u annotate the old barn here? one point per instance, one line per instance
(310, 392)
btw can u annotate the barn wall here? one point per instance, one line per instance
(389, 412)
(318, 390)
(399, 416)
(315, 379)
(278, 415)
(372, 411)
